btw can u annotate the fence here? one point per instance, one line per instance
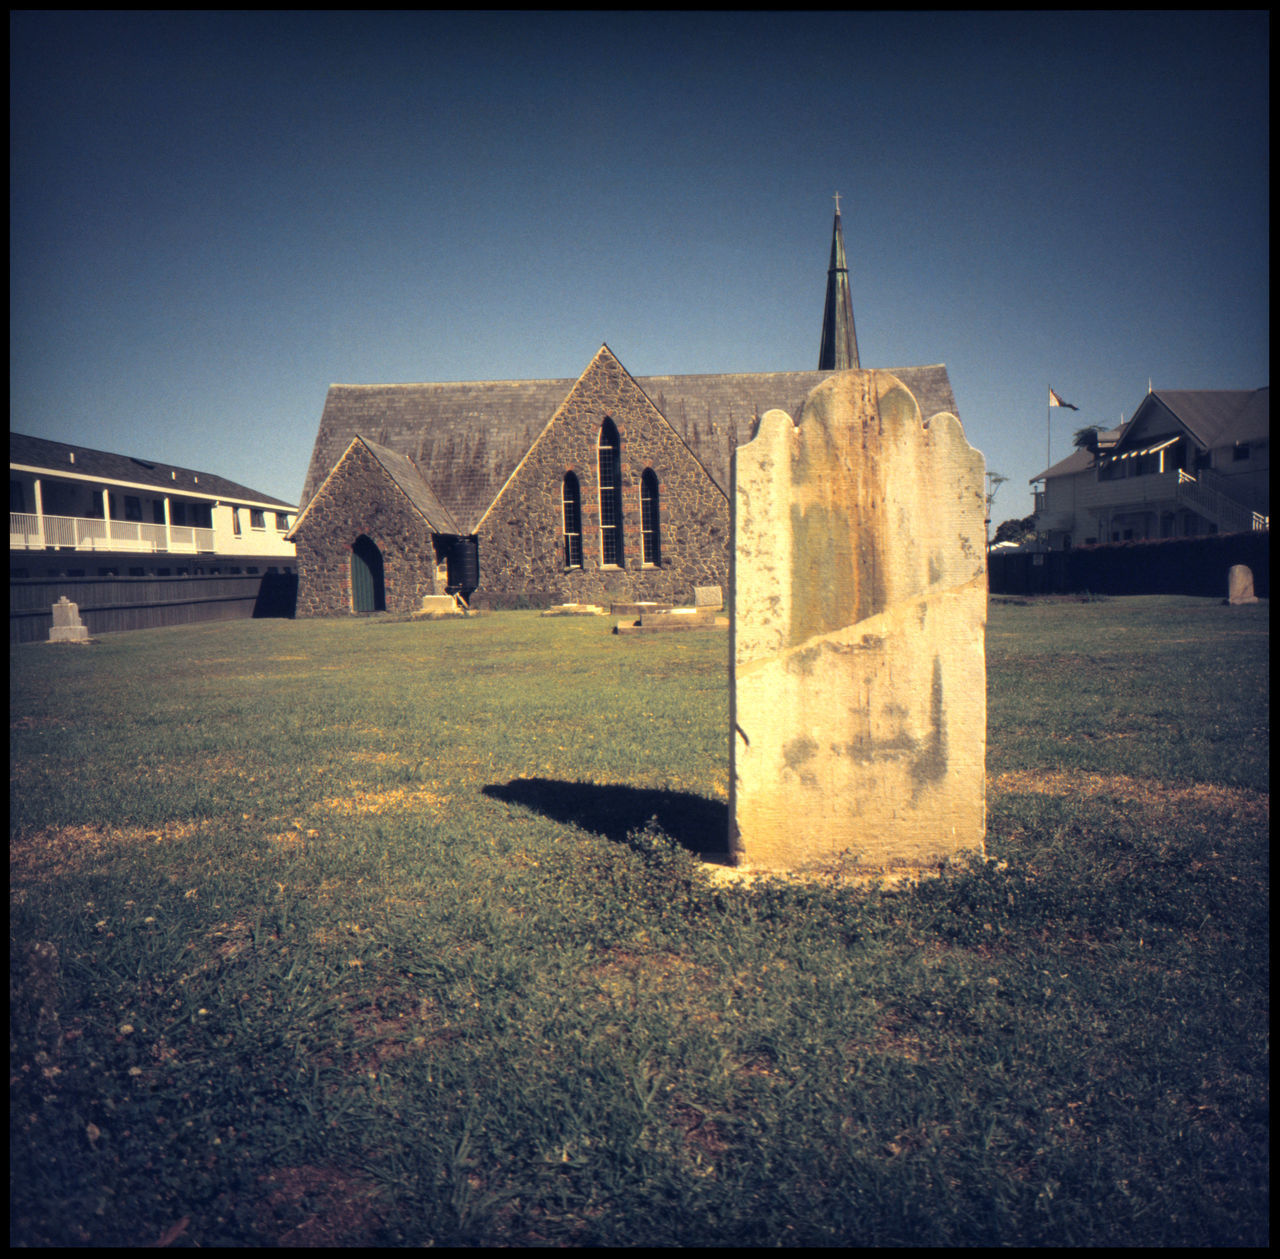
(1175, 566)
(109, 605)
(28, 531)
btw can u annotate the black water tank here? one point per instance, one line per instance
(464, 565)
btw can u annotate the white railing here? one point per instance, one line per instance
(1229, 515)
(28, 532)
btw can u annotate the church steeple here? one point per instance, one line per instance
(839, 350)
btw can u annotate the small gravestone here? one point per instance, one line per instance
(1240, 585)
(859, 597)
(67, 626)
(708, 597)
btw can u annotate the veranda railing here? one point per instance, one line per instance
(28, 531)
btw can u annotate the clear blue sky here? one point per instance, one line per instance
(215, 216)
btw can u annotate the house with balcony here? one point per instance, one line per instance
(75, 512)
(1188, 462)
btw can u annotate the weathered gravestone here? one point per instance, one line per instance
(859, 596)
(67, 626)
(1240, 585)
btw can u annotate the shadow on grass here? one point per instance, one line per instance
(699, 824)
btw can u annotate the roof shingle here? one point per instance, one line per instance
(40, 452)
(465, 438)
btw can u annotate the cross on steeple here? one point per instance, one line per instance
(839, 349)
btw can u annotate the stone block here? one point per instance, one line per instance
(1240, 585)
(679, 618)
(859, 598)
(708, 597)
(634, 608)
(67, 626)
(662, 620)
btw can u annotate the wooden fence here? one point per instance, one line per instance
(109, 605)
(1175, 566)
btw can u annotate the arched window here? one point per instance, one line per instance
(650, 519)
(572, 522)
(610, 456)
(368, 592)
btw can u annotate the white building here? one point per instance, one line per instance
(1189, 462)
(77, 512)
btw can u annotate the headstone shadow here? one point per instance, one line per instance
(699, 824)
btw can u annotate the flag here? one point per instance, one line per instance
(1055, 401)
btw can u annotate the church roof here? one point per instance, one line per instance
(404, 472)
(465, 438)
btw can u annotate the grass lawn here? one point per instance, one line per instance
(359, 932)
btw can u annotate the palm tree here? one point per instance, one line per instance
(1086, 439)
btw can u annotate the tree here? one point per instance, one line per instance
(1016, 530)
(1086, 439)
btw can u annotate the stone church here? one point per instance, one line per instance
(607, 488)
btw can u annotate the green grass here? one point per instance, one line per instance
(363, 937)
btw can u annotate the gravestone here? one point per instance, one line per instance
(67, 626)
(859, 597)
(1240, 585)
(708, 597)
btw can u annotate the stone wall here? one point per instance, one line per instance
(521, 537)
(360, 497)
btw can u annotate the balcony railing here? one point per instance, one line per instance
(1229, 515)
(29, 532)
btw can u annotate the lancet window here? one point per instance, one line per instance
(650, 519)
(572, 522)
(609, 453)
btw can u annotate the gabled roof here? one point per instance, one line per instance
(1213, 417)
(56, 459)
(404, 472)
(603, 376)
(408, 480)
(466, 438)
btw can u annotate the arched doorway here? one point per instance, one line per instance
(368, 592)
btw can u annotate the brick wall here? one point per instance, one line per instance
(361, 498)
(521, 537)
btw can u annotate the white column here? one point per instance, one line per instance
(168, 526)
(106, 514)
(39, 513)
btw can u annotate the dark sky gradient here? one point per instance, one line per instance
(214, 216)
